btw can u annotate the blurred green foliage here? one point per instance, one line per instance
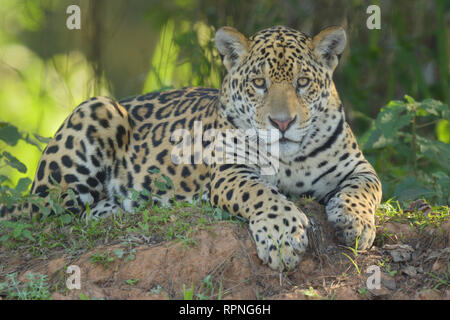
(410, 163)
(128, 47)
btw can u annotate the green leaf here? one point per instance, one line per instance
(134, 195)
(188, 294)
(435, 108)
(442, 179)
(132, 282)
(22, 185)
(168, 181)
(66, 219)
(27, 234)
(18, 231)
(146, 193)
(119, 253)
(409, 99)
(88, 209)
(72, 196)
(160, 185)
(3, 178)
(9, 134)
(436, 151)
(131, 256)
(154, 171)
(411, 189)
(45, 210)
(391, 120)
(377, 140)
(413, 193)
(443, 131)
(14, 162)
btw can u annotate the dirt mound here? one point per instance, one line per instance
(222, 263)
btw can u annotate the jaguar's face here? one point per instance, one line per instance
(278, 79)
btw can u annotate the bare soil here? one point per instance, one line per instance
(223, 264)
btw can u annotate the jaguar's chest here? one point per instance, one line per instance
(315, 176)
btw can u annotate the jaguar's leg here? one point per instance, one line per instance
(85, 155)
(276, 224)
(352, 207)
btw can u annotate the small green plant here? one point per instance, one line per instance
(131, 255)
(391, 272)
(144, 225)
(104, 259)
(310, 293)
(207, 286)
(20, 231)
(10, 136)
(354, 250)
(442, 279)
(353, 261)
(363, 291)
(161, 181)
(132, 282)
(188, 294)
(120, 253)
(35, 288)
(85, 297)
(201, 296)
(220, 293)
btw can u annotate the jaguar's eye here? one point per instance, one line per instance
(302, 82)
(259, 83)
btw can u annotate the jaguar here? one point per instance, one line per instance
(278, 79)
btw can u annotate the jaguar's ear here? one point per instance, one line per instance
(329, 44)
(232, 44)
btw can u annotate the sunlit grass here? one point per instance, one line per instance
(392, 210)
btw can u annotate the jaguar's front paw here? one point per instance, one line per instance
(353, 222)
(280, 237)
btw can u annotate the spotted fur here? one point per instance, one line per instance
(279, 78)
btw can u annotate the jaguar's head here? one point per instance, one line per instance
(279, 79)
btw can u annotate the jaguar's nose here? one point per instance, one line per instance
(282, 124)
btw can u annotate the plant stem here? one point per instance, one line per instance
(413, 142)
(427, 124)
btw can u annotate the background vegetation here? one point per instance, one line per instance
(128, 47)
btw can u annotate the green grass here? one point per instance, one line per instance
(354, 250)
(208, 289)
(75, 235)
(156, 224)
(440, 280)
(104, 259)
(394, 211)
(35, 288)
